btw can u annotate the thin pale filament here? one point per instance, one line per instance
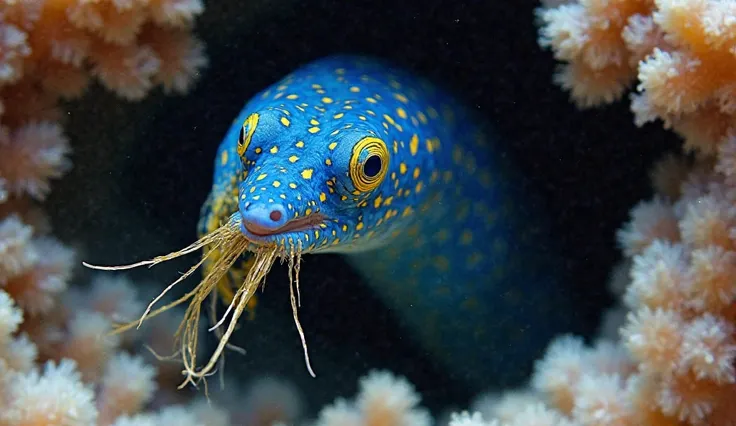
(213, 237)
(295, 260)
(264, 259)
(188, 333)
(217, 238)
(230, 243)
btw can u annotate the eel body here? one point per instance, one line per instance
(352, 155)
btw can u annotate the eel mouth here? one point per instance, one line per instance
(294, 225)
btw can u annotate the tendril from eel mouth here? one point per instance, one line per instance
(222, 247)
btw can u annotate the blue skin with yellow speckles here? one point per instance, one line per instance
(352, 155)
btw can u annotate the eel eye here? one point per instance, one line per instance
(372, 166)
(246, 133)
(368, 163)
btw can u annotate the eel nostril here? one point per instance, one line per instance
(275, 215)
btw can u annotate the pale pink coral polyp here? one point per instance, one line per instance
(33, 155)
(680, 51)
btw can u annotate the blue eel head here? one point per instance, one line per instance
(343, 181)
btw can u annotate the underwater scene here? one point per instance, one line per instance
(367, 213)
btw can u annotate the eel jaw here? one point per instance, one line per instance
(295, 225)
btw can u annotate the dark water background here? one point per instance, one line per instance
(142, 170)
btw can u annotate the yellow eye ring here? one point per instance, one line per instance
(368, 163)
(246, 133)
